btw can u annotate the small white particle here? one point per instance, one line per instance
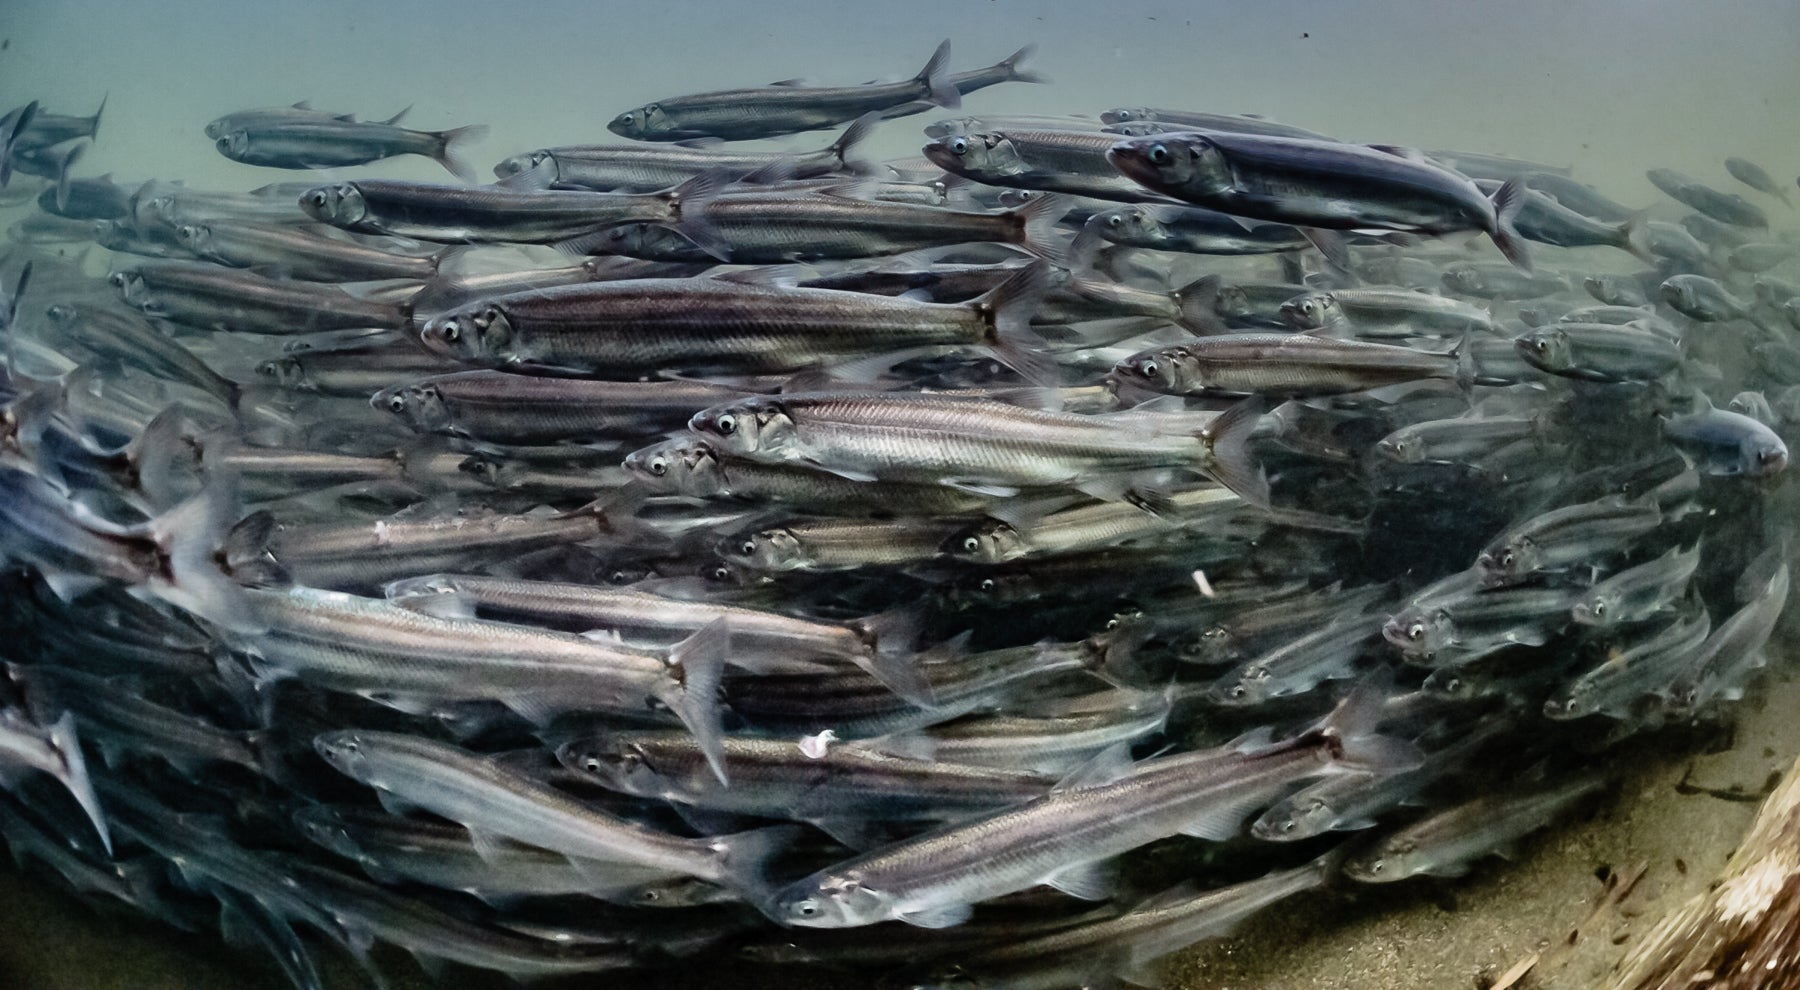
(815, 747)
(1203, 584)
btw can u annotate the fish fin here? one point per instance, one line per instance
(1334, 247)
(853, 831)
(1037, 228)
(1509, 199)
(891, 637)
(1105, 767)
(489, 846)
(393, 805)
(692, 200)
(699, 665)
(538, 709)
(911, 745)
(858, 132)
(246, 552)
(942, 916)
(75, 775)
(746, 858)
(1224, 820)
(453, 147)
(796, 81)
(189, 536)
(1635, 233)
(1008, 309)
(69, 159)
(1357, 747)
(707, 821)
(156, 452)
(1227, 439)
(396, 118)
(939, 87)
(1197, 302)
(94, 121)
(1014, 65)
(443, 605)
(1093, 881)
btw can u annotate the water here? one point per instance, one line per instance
(1608, 88)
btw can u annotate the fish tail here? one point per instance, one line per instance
(1634, 236)
(1008, 309)
(698, 663)
(1198, 303)
(1227, 440)
(156, 452)
(691, 203)
(1037, 222)
(245, 552)
(75, 775)
(858, 132)
(189, 536)
(1014, 65)
(94, 121)
(891, 637)
(936, 78)
(1509, 199)
(745, 858)
(1355, 745)
(69, 159)
(452, 149)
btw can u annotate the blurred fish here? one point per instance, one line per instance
(325, 140)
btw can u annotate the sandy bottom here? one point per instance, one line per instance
(1427, 934)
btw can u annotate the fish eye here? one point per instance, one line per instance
(1158, 154)
(959, 146)
(1507, 558)
(452, 331)
(1415, 631)
(591, 765)
(397, 403)
(747, 548)
(1125, 115)
(658, 466)
(1377, 866)
(1599, 607)
(970, 544)
(1540, 345)
(806, 909)
(1149, 368)
(727, 424)
(317, 198)
(721, 573)
(1115, 220)
(987, 584)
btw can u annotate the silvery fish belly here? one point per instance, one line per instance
(909, 523)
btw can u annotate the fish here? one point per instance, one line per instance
(1064, 161)
(1319, 184)
(1195, 120)
(1727, 443)
(324, 140)
(783, 108)
(1385, 313)
(1752, 175)
(1630, 672)
(1599, 352)
(1638, 593)
(53, 749)
(1727, 208)
(490, 799)
(1574, 536)
(1285, 365)
(1065, 837)
(1494, 281)
(1190, 230)
(300, 255)
(1445, 843)
(526, 410)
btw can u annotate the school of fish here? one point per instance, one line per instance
(1000, 567)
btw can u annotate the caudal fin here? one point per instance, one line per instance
(1509, 199)
(1037, 228)
(858, 132)
(1008, 308)
(1634, 236)
(1227, 439)
(190, 536)
(74, 775)
(1014, 65)
(1198, 302)
(939, 88)
(746, 857)
(1356, 746)
(698, 663)
(692, 204)
(453, 149)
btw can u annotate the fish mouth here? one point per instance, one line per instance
(1130, 162)
(938, 155)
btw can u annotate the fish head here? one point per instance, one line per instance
(1763, 455)
(1401, 448)
(768, 550)
(63, 315)
(683, 465)
(1596, 608)
(519, 164)
(1420, 634)
(233, 144)
(1547, 349)
(679, 892)
(830, 901)
(478, 334)
(321, 825)
(1127, 115)
(987, 542)
(1575, 701)
(975, 154)
(1683, 295)
(615, 762)
(1450, 684)
(1311, 311)
(1160, 370)
(216, 129)
(1463, 278)
(993, 590)
(1300, 817)
(129, 283)
(340, 205)
(745, 427)
(345, 752)
(1130, 225)
(1791, 310)
(1250, 686)
(287, 372)
(420, 406)
(490, 471)
(1190, 162)
(1386, 862)
(642, 122)
(196, 237)
(1216, 644)
(1508, 563)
